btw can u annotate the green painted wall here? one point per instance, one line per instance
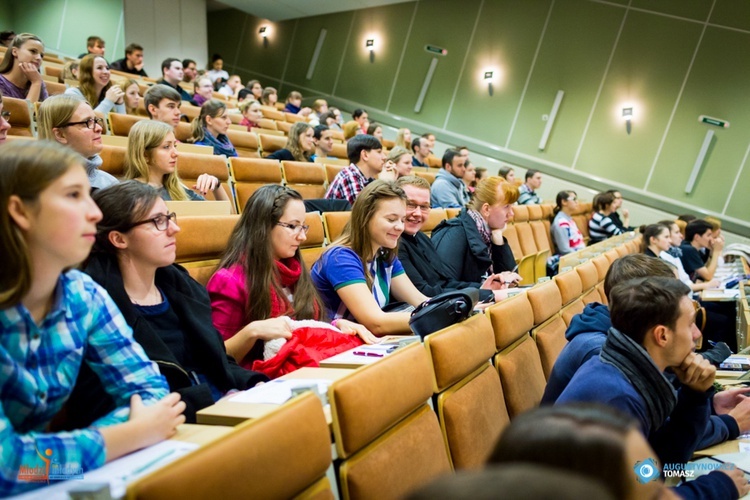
(673, 60)
(71, 22)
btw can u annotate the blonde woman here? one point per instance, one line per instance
(300, 146)
(401, 159)
(96, 86)
(210, 128)
(403, 138)
(152, 158)
(132, 95)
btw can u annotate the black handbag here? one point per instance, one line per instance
(443, 310)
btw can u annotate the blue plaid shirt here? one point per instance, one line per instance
(39, 365)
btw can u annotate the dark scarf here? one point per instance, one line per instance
(221, 144)
(633, 361)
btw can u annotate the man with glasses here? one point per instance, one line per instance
(417, 253)
(82, 133)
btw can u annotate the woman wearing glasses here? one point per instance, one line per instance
(69, 120)
(170, 313)
(152, 158)
(262, 280)
(565, 233)
(96, 86)
(56, 321)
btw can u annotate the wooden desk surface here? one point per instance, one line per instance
(200, 434)
(721, 448)
(228, 413)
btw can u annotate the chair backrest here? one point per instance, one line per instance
(511, 234)
(428, 176)
(192, 165)
(521, 375)
(570, 286)
(526, 238)
(339, 151)
(376, 435)
(547, 210)
(545, 300)
(292, 118)
(511, 319)
(436, 216)
(201, 243)
(541, 234)
(452, 212)
(271, 143)
(113, 160)
(189, 110)
(313, 246)
(602, 266)
(307, 178)
(535, 212)
(588, 274)
(269, 124)
(582, 221)
(520, 213)
(334, 224)
(470, 403)
(55, 88)
(284, 454)
(550, 340)
(272, 114)
(120, 124)
(252, 173)
(20, 117)
(332, 171)
(183, 132)
(611, 255)
(246, 143)
(575, 307)
(284, 127)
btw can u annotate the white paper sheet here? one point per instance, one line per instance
(277, 391)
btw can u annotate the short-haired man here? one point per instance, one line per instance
(533, 181)
(233, 86)
(420, 148)
(162, 104)
(360, 116)
(653, 328)
(365, 153)
(323, 137)
(418, 255)
(448, 191)
(171, 72)
(132, 62)
(94, 45)
(699, 235)
(189, 70)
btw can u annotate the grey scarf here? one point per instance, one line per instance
(633, 361)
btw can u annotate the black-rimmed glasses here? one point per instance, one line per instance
(160, 222)
(89, 123)
(296, 228)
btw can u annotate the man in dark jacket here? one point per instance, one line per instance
(588, 332)
(419, 256)
(212, 371)
(653, 328)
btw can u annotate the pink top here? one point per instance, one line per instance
(228, 293)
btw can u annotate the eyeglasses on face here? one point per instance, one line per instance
(296, 228)
(89, 123)
(425, 209)
(5, 115)
(160, 222)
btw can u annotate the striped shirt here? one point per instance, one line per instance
(602, 227)
(39, 365)
(528, 197)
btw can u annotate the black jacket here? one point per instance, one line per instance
(464, 253)
(425, 269)
(190, 302)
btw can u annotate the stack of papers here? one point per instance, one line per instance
(279, 391)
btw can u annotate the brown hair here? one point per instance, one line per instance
(86, 79)
(636, 265)
(26, 169)
(413, 180)
(212, 108)
(9, 59)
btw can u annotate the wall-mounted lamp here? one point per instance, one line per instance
(627, 115)
(488, 78)
(370, 45)
(263, 32)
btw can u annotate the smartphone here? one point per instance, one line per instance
(739, 367)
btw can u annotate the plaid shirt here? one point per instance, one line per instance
(39, 366)
(347, 184)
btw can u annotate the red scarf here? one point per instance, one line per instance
(289, 270)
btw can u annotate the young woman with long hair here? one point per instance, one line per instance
(269, 97)
(565, 233)
(300, 145)
(601, 225)
(210, 128)
(401, 159)
(360, 271)
(262, 280)
(152, 158)
(55, 320)
(96, 86)
(132, 95)
(20, 75)
(403, 138)
(170, 313)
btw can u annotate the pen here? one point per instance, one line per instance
(368, 354)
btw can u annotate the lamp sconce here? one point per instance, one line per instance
(263, 32)
(488, 78)
(370, 45)
(627, 115)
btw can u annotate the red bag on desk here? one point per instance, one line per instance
(307, 347)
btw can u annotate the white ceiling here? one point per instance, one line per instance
(279, 10)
